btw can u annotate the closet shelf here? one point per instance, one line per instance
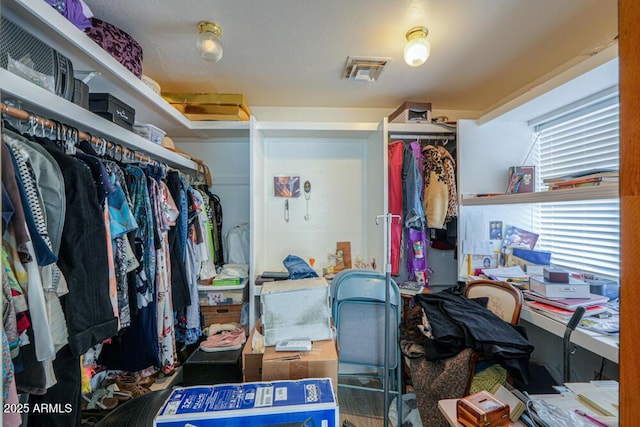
(424, 128)
(568, 195)
(40, 101)
(317, 129)
(46, 23)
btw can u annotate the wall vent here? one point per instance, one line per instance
(364, 69)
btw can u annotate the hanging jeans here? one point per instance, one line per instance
(395, 202)
(414, 219)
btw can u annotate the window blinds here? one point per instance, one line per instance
(583, 235)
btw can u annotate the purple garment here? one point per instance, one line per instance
(73, 11)
(415, 234)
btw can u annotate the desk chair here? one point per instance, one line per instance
(505, 301)
(358, 308)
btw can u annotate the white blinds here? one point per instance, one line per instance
(581, 235)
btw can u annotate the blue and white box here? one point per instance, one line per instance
(308, 402)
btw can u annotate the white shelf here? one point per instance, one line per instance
(46, 23)
(568, 195)
(42, 102)
(423, 128)
(602, 345)
(316, 129)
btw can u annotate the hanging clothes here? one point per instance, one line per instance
(83, 257)
(395, 150)
(415, 236)
(440, 194)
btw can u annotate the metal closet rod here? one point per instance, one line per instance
(26, 116)
(422, 137)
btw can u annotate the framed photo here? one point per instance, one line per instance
(286, 186)
(495, 230)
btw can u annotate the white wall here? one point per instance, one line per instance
(228, 161)
(335, 167)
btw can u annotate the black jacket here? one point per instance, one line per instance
(458, 322)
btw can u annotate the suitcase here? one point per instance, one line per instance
(118, 43)
(482, 409)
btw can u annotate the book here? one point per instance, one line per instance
(593, 173)
(226, 281)
(561, 314)
(567, 303)
(521, 179)
(574, 289)
(516, 406)
(587, 182)
(515, 237)
(604, 401)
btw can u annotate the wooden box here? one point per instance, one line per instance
(482, 409)
(226, 313)
(412, 112)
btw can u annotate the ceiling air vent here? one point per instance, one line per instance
(364, 69)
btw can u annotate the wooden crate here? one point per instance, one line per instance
(226, 313)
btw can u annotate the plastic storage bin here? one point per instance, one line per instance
(150, 132)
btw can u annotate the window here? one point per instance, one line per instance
(584, 136)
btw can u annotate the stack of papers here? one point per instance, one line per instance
(514, 275)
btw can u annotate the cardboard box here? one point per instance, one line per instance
(251, 362)
(278, 403)
(411, 112)
(296, 309)
(320, 362)
(521, 179)
(209, 106)
(574, 289)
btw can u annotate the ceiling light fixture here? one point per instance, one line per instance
(417, 49)
(208, 42)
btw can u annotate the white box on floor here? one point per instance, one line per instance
(277, 403)
(296, 309)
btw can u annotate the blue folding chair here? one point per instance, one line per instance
(358, 309)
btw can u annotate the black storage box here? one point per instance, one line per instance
(203, 368)
(112, 109)
(81, 93)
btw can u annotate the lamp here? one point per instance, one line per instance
(417, 49)
(208, 42)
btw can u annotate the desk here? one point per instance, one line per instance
(448, 409)
(602, 345)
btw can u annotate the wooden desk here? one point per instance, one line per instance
(448, 409)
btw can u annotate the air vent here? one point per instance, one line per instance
(364, 69)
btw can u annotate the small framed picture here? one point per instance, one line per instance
(495, 230)
(286, 186)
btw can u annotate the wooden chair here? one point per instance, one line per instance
(505, 301)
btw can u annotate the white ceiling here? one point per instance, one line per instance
(292, 53)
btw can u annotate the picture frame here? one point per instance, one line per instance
(286, 186)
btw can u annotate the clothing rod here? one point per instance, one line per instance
(26, 116)
(422, 137)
